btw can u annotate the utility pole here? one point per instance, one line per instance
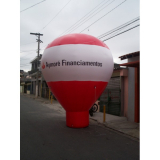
(39, 41)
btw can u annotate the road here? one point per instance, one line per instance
(45, 136)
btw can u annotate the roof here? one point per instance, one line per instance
(117, 66)
(131, 64)
(130, 55)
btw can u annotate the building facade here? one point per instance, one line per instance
(132, 109)
(43, 90)
(121, 96)
(25, 82)
(113, 95)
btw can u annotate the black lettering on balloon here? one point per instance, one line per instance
(73, 63)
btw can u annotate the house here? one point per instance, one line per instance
(43, 89)
(113, 96)
(121, 95)
(132, 96)
(25, 82)
(35, 66)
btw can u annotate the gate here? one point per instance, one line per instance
(111, 98)
(45, 92)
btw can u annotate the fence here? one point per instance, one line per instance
(111, 98)
(45, 92)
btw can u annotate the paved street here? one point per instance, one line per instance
(44, 136)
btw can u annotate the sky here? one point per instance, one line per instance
(54, 18)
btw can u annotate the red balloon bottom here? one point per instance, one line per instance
(77, 97)
(77, 119)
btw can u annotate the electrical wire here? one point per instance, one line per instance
(121, 32)
(71, 27)
(104, 15)
(117, 32)
(22, 64)
(27, 51)
(26, 55)
(27, 43)
(26, 58)
(25, 65)
(55, 16)
(85, 20)
(112, 9)
(32, 6)
(82, 17)
(118, 28)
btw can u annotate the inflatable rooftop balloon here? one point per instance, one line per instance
(77, 69)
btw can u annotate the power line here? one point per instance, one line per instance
(32, 6)
(27, 43)
(107, 12)
(83, 17)
(121, 32)
(26, 58)
(104, 15)
(122, 29)
(25, 65)
(103, 40)
(43, 47)
(54, 16)
(85, 20)
(118, 28)
(27, 55)
(28, 51)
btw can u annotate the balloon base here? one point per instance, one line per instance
(77, 119)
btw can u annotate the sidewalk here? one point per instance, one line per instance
(114, 122)
(118, 123)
